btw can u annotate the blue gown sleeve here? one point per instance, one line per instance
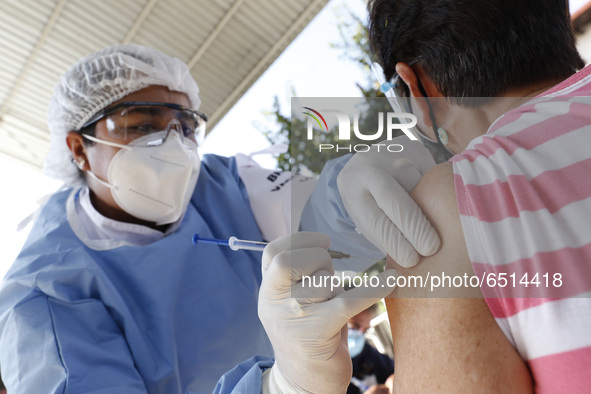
(245, 378)
(325, 213)
(58, 347)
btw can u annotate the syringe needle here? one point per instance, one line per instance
(342, 255)
(363, 258)
(338, 255)
(239, 244)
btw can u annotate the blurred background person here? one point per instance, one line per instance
(370, 367)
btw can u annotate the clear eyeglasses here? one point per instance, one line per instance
(131, 120)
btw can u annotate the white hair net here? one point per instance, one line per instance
(98, 80)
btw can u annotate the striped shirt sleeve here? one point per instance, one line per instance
(524, 197)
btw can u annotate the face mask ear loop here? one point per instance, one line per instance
(448, 153)
(106, 184)
(100, 141)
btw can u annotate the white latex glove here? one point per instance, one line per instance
(375, 187)
(308, 326)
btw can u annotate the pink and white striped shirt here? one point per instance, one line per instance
(524, 197)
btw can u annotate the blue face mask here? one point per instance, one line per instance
(356, 342)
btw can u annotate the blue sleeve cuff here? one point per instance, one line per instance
(245, 378)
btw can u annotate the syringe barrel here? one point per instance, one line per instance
(198, 239)
(237, 244)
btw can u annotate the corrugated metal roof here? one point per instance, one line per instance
(227, 44)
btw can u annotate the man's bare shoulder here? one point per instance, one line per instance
(435, 194)
(444, 340)
(435, 191)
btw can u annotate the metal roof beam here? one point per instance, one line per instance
(214, 33)
(223, 107)
(46, 29)
(138, 21)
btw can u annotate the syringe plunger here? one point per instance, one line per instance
(237, 244)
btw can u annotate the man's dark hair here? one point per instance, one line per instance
(476, 48)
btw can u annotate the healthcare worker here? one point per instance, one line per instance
(108, 293)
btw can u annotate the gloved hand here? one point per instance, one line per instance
(308, 325)
(375, 187)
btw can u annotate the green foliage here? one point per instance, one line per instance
(354, 43)
(291, 130)
(282, 135)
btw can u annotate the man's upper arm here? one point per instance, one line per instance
(448, 344)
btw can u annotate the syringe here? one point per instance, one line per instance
(238, 244)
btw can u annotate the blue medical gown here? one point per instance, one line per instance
(168, 317)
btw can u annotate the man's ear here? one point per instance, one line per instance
(411, 78)
(75, 143)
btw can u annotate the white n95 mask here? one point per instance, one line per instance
(153, 182)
